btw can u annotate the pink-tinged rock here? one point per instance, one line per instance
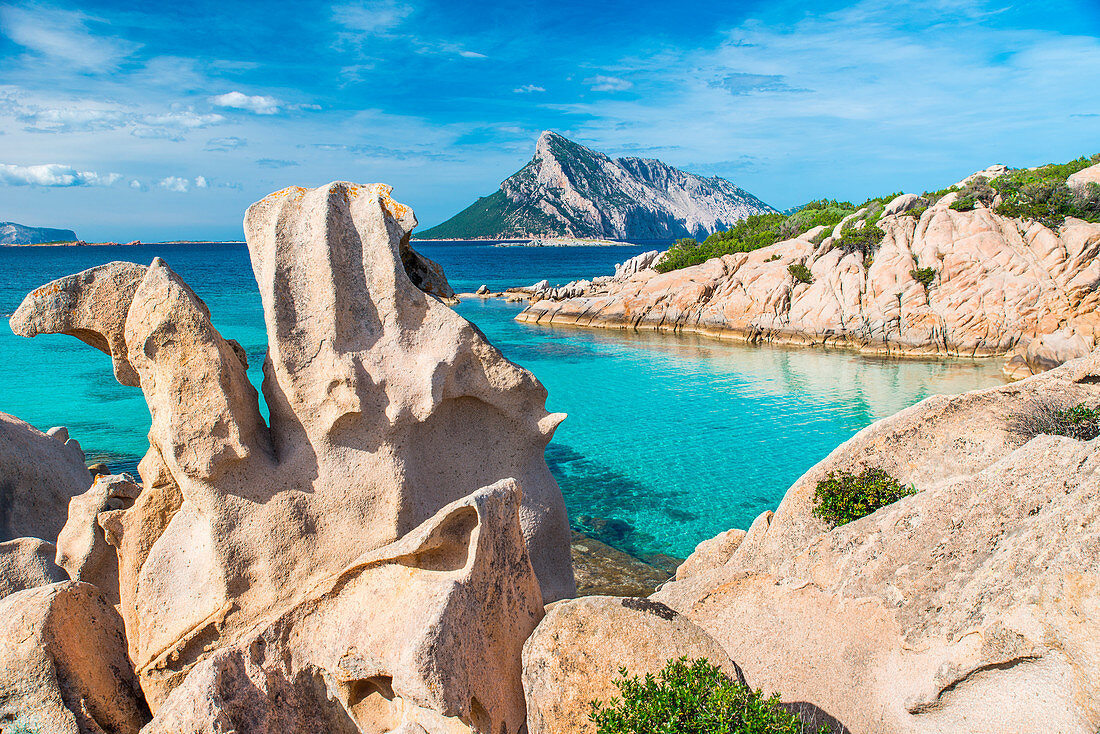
(999, 284)
(965, 607)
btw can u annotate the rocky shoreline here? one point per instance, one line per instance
(388, 553)
(998, 288)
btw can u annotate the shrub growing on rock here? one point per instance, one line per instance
(1041, 193)
(924, 276)
(866, 239)
(692, 697)
(974, 192)
(1055, 419)
(842, 497)
(800, 273)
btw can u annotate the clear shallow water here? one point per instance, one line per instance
(669, 440)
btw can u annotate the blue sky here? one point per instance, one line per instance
(158, 121)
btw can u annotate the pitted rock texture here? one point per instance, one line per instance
(427, 631)
(968, 606)
(63, 665)
(38, 475)
(385, 407)
(1002, 287)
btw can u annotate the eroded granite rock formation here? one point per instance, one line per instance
(576, 652)
(26, 563)
(63, 665)
(970, 606)
(388, 412)
(1001, 286)
(38, 475)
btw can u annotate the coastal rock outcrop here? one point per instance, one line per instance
(40, 473)
(999, 287)
(968, 606)
(575, 654)
(63, 665)
(386, 409)
(26, 563)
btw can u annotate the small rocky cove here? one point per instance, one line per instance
(943, 282)
(388, 551)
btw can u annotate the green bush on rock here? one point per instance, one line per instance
(866, 239)
(800, 273)
(1055, 419)
(842, 497)
(924, 276)
(692, 697)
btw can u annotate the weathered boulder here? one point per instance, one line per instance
(26, 563)
(385, 406)
(427, 630)
(575, 654)
(63, 664)
(999, 284)
(637, 263)
(82, 547)
(38, 475)
(965, 607)
(1084, 177)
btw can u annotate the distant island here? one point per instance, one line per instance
(568, 190)
(20, 234)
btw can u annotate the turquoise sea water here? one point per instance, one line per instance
(669, 440)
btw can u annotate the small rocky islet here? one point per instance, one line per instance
(389, 552)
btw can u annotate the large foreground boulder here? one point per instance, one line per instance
(385, 408)
(969, 606)
(575, 654)
(38, 475)
(63, 664)
(426, 632)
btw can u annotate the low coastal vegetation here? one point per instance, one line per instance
(693, 697)
(842, 497)
(924, 276)
(1055, 419)
(800, 273)
(1040, 194)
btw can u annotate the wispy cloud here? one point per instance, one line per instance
(52, 174)
(601, 83)
(471, 55)
(275, 163)
(231, 142)
(175, 183)
(528, 89)
(257, 103)
(371, 18)
(63, 35)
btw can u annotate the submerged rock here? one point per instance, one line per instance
(386, 409)
(1001, 287)
(968, 606)
(39, 474)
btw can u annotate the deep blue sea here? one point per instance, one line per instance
(669, 440)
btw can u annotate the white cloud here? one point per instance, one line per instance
(173, 125)
(200, 182)
(371, 18)
(175, 183)
(601, 83)
(64, 35)
(528, 88)
(53, 174)
(259, 104)
(137, 185)
(472, 55)
(231, 142)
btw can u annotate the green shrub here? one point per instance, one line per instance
(933, 196)
(924, 276)
(842, 497)
(691, 697)
(866, 239)
(1054, 418)
(915, 212)
(773, 258)
(974, 192)
(1041, 194)
(800, 273)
